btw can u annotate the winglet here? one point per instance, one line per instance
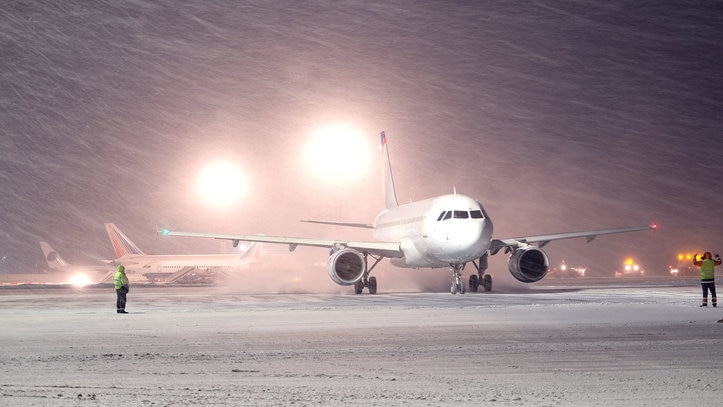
(390, 195)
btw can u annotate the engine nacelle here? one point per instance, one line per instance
(346, 266)
(528, 264)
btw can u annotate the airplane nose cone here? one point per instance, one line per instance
(473, 240)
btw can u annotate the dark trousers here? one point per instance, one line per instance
(120, 303)
(708, 285)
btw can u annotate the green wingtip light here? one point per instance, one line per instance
(165, 232)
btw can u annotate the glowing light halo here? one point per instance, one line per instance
(221, 183)
(80, 280)
(337, 151)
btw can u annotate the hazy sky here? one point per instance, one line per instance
(558, 116)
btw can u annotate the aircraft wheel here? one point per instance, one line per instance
(453, 289)
(461, 288)
(473, 283)
(372, 285)
(358, 287)
(487, 282)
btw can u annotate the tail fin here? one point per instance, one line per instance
(252, 252)
(55, 262)
(390, 195)
(121, 244)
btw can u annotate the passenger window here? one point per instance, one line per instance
(476, 214)
(461, 214)
(441, 215)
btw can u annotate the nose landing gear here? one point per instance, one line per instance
(475, 280)
(457, 283)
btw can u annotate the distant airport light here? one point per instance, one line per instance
(221, 184)
(338, 152)
(80, 280)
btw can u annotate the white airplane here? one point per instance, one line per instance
(171, 268)
(444, 231)
(75, 274)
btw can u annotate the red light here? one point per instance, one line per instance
(654, 226)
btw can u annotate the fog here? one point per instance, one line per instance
(557, 116)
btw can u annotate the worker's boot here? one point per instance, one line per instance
(705, 302)
(715, 303)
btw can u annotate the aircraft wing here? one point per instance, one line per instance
(348, 224)
(386, 249)
(542, 240)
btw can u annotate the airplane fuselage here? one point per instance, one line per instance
(436, 232)
(173, 263)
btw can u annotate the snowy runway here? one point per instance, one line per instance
(627, 345)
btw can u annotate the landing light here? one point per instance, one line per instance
(79, 280)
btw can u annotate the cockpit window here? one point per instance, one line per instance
(474, 214)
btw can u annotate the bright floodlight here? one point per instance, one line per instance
(221, 184)
(338, 152)
(79, 280)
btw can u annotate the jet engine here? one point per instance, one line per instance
(528, 264)
(346, 266)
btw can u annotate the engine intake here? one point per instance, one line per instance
(528, 264)
(346, 266)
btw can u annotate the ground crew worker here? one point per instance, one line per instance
(707, 276)
(121, 289)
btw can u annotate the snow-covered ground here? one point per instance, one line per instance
(613, 345)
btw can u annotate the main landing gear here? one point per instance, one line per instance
(480, 279)
(366, 281)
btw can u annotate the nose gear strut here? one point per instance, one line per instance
(475, 280)
(457, 284)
